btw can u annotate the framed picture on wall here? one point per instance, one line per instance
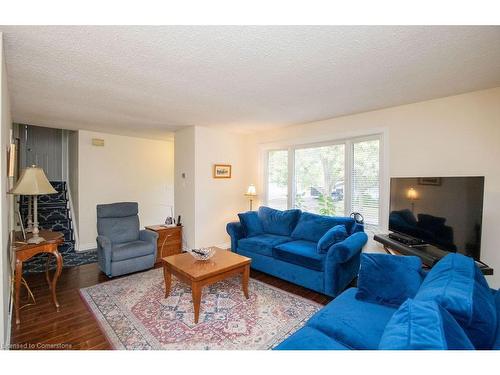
(434, 181)
(222, 171)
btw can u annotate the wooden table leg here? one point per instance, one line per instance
(47, 275)
(168, 280)
(244, 280)
(17, 288)
(196, 292)
(56, 277)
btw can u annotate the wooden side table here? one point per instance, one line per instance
(169, 240)
(25, 251)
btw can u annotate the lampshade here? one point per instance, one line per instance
(412, 194)
(251, 191)
(33, 182)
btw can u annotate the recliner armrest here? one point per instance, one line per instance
(148, 236)
(345, 250)
(104, 246)
(236, 232)
(104, 242)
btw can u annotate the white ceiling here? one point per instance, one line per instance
(149, 80)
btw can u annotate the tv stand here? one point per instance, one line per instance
(429, 254)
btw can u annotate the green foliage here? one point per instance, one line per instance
(299, 201)
(326, 205)
(278, 167)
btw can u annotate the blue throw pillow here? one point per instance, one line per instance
(251, 223)
(388, 279)
(418, 325)
(336, 234)
(457, 284)
(278, 222)
(311, 227)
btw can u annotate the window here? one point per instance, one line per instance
(365, 189)
(328, 179)
(277, 179)
(319, 179)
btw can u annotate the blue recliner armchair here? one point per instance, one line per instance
(121, 247)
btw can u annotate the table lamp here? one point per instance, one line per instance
(251, 193)
(33, 182)
(412, 195)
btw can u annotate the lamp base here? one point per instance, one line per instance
(35, 240)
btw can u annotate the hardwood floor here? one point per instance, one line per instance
(74, 327)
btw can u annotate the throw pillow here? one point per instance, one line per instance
(388, 279)
(457, 284)
(251, 223)
(278, 222)
(336, 234)
(419, 325)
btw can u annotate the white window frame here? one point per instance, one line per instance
(348, 143)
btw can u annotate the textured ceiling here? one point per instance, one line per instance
(146, 80)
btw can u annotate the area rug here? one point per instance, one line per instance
(134, 314)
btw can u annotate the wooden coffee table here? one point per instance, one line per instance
(199, 273)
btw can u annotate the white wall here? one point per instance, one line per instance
(452, 136)
(125, 169)
(6, 203)
(218, 201)
(72, 179)
(208, 204)
(185, 182)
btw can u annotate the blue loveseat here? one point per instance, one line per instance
(452, 308)
(318, 252)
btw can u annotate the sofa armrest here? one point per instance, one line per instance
(236, 232)
(342, 252)
(342, 263)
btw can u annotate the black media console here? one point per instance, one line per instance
(429, 254)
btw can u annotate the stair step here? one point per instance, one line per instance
(49, 216)
(54, 214)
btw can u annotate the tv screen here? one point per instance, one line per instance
(445, 212)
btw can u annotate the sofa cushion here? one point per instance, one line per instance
(419, 325)
(496, 344)
(388, 279)
(302, 253)
(278, 222)
(333, 235)
(354, 323)
(134, 249)
(262, 244)
(251, 223)
(312, 227)
(458, 285)
(308, 338)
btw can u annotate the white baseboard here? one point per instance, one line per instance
(86, 247)
(8, 334)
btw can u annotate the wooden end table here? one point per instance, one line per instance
(199, 273)
(24, 251)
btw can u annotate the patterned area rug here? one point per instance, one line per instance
(134, 314)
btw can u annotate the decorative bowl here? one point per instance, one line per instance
(204, 253)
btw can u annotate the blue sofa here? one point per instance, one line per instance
(121, 246)
(318, 252)
(469, 311)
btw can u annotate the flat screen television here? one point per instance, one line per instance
(446, 212)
